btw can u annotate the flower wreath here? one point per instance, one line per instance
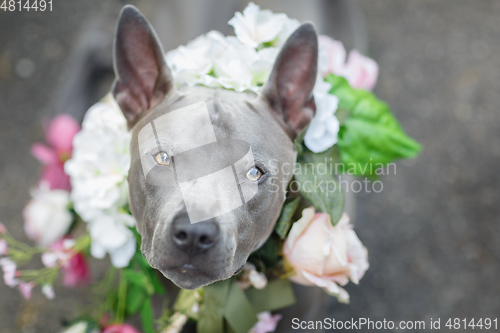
(84, 182)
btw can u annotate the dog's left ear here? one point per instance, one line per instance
(142, 76)
(290, 85)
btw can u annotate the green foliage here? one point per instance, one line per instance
(285, 220)
(370, 137)
(267, 255)
(276, 295)
(316, 181)
(147, 317)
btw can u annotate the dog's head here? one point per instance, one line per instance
(210, 167)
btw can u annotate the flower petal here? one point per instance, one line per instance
(25, 288)
(4, 247)
(120, 258)
(43, 153)
(61, 131)
(48, 291)
(299, 226)
(360, 71)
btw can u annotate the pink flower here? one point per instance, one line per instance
(361, 72)
(59, 134)
(76, 272)
(122, 328)
(25, 288)
(3, 230)
(4, 247)
(332, 56)
(74, 267)
(267, 323)
(9, 272)
(324, 255)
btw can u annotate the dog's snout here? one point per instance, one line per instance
(194, 238)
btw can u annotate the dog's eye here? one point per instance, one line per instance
(254, 174)
(162, 158)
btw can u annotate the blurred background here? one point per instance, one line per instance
(433, 233)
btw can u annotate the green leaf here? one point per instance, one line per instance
(238, 311)
(121, 299)
(224, 300)
(144, 266)
(185, 301)
(285, 220)
(139, 279)
(266, 255)
(370, 137)
(317, 183)
(135, 299)
(211, 310)
(299, 141)
(147, 317)
(276, 295)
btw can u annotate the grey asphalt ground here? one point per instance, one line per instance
(433, 233)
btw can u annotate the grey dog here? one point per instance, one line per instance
(192, 255)
(196, 254)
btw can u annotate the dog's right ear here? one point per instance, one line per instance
(142, 76)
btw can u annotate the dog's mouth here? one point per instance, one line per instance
(187, 275)
(239, 269)
(185, 268)
(190, 276)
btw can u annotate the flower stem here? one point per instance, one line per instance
(122, 299)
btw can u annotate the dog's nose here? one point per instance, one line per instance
(194, 238)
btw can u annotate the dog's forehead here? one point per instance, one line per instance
(231, 114)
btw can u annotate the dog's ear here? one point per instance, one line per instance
(290, 84)
(142, 76)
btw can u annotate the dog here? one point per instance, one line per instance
(263, 121)
(195, 228)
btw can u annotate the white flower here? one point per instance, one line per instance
(324, 127)
(255, 26)
(258, 280)
(46, 217)
(177, 322)
(48, 291)
(98, 171)
(289, 26)
(262, 67)
(191, 64)
(100, 162)
(9, 272)
(110, 234)
(251, 277)
(233, 67)
(216, 61)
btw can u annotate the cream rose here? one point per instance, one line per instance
(324, 255)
